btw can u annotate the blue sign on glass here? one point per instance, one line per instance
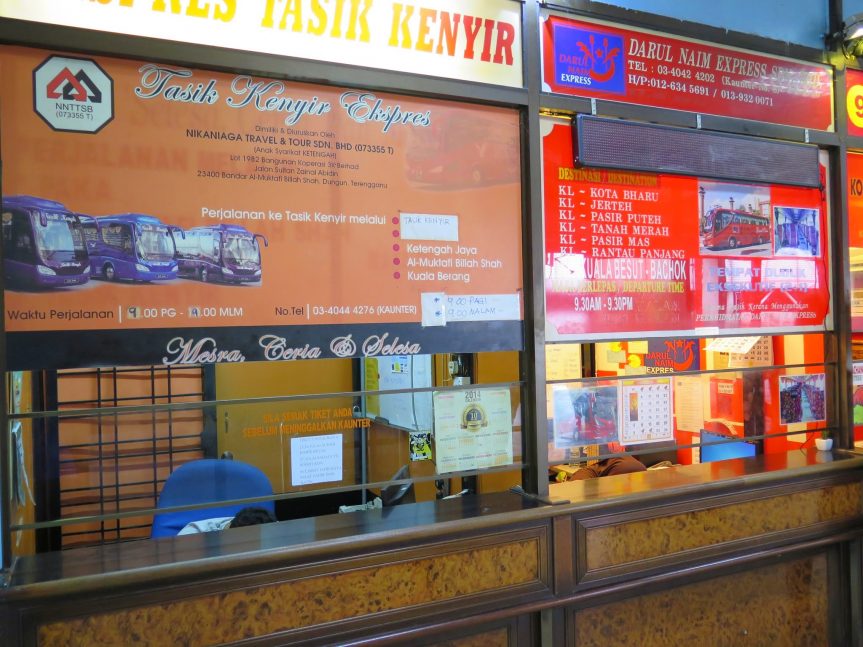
(590, 60)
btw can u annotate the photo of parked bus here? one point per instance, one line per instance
(43, 244)
(220, 253)
(733, 217)
(727, 229)
(131, 247)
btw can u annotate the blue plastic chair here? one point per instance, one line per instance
(204, 481)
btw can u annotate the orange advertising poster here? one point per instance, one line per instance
(154, 213)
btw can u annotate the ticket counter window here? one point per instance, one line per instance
(124, 453)
(670, 403)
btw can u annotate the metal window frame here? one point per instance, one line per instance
(48, 445)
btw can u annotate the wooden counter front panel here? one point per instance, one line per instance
(779, 604)
(455, 575)
(518, 631)
(615, 544)
(495, 638)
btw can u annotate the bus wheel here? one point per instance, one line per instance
(204, 274)
(732, 242)
(110, 274)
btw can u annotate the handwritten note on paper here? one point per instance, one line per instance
(483, 307)
(428, 226)
(433, 307)
(563, 361)
(689, 403)
(316, 459)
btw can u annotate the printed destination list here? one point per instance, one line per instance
(639, 252)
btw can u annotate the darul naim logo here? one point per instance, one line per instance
(73, 94)
(588, 59)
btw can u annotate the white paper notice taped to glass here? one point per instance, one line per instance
(482, 307)
(429, 226)
(433, 306)
(468, 307)
(316, 459)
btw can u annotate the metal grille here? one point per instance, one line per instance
(110, 462)
(619, 144)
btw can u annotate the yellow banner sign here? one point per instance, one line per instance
(470, 40)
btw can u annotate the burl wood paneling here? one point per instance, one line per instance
(621, 543)
(262, 610)
(494, 638)
(776, 605)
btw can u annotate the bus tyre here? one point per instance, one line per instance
(732, 242)
(204, 274)
(109, 272)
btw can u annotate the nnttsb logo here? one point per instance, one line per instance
(73, 87)
(73, 94)
(589, 60)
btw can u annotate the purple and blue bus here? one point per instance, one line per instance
(43, 244)
(131, 246)
(224, 253)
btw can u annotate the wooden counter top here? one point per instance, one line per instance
(128, 565)
(703, 478)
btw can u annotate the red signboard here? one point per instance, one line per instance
(645, 253)
(596, 60)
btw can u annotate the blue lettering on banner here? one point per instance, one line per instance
(588, 59)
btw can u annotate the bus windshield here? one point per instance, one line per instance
(240, 249)
(59, 238)
(720, 218)
(155, 244)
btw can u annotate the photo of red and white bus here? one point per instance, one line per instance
(723, 228)
(459, 151)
